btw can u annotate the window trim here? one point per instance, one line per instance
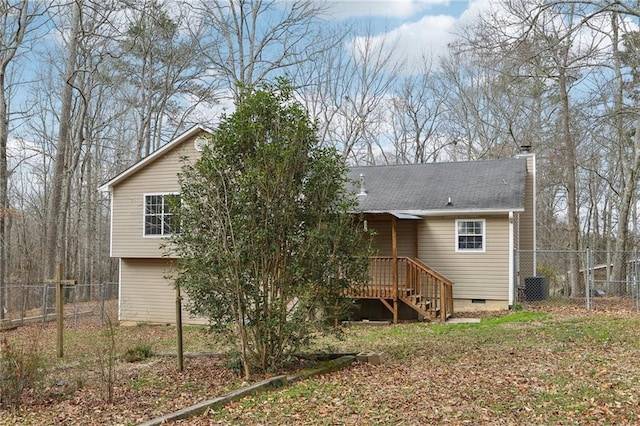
(163, 213)
(484, 236)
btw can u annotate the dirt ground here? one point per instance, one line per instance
(427, 378)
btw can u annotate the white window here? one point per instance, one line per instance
(158, 217)
(470, 235)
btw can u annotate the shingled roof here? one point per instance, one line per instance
(441, 188)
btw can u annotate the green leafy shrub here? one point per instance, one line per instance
(267, 246)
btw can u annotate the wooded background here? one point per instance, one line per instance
(89, 87)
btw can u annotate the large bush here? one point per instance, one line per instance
(268, 245)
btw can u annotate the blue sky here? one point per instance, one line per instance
(399, 9)
(418, 26)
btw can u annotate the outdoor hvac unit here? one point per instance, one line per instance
(535, 288)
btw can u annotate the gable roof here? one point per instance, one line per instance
(411, 190)
(174, 143)
(485, 186)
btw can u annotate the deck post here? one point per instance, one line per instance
(415, 239)
(394, 254)
(443, 302)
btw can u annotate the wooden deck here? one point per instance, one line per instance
(409, 281)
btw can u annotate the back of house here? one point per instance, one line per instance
(461, 220)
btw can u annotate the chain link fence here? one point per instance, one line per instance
(86, 303)
(591, 278)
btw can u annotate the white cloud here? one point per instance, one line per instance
(384, 8)
(476, 7)
(427, 37)
(431, 34)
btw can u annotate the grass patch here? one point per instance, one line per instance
(597, 331)
(517, 317)
(139, 352)
(140, 383)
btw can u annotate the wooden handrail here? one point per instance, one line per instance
(430, 270)
(414, 278)
(432, 285)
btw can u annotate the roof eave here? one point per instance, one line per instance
(444, 212)
(108, 186)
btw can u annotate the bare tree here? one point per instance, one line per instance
(470, 120)
(55, 217)
(347, 93)
(542, 41)
(626, 126)
(416, 116)
(253, 41)
(96, 109)
(494, 101)
(596, 49)
(163, 74)
(15, 19)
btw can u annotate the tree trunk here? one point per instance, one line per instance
(4, 201)
(629, 166)
(55, 215)
(571, 187)
(11, 40)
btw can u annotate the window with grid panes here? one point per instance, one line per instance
(158, 217)
(470, 235)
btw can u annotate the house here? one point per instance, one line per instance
(461, 222)
(139, 221)
(446, 233)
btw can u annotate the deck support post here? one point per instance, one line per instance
(394, 254)
(416, 248)
(443, 303)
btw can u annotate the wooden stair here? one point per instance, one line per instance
(410, 281)
(420, 304)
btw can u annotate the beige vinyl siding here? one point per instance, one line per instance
(405, 237)
(477, 275)
(159, 177)
(146, 295)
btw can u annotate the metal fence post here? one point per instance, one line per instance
(608, 267)
(587, 279)
(635, 278)
(23, 303)
(75, 306)
(45, 303)
(102, 303)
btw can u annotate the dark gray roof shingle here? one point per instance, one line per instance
(487, 185)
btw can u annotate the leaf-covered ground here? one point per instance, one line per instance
(545, 365)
